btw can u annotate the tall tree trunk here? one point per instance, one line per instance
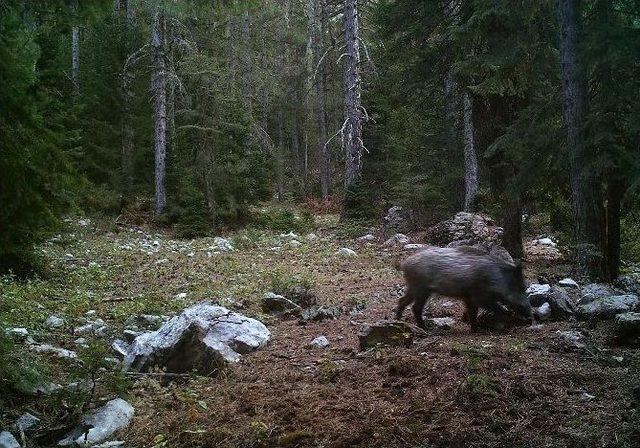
(125, 7)
(352, 132)
(159, 87)
(319, 71)
(585, 188)
(615, 193)
(470, 158)
(75, 52)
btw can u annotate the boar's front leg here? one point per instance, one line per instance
(403, 302)
(418, 308)
(471, 314)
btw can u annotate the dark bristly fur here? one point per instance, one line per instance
(479, 279)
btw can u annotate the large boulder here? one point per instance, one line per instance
(202, 338)
(606, 307)
(466, 229)
(8, 441)
(628, 324)
(100, 424)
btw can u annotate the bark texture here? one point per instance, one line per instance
(585, 188)
(470, 157)
(159, 87)
(352, 132)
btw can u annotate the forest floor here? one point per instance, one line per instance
(451, 388)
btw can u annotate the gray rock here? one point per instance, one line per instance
(96, 327)
(222, 244)
(120, 348)
(46, 388)
(319, 342)
(275, 303)
(295, 243)
(595, 291)
(312, 237)
(394, 333)
(568, 283)
(82, 342)
(467, 229)
(543, 312)
(57, 351)
(561, 304)
(538, 294)
(26, 422)
(414, 246)
(202, 338)
(628, 324)
(346, 252)
(111, 444)
(366, 238)
(18, 332)
(441, 322)
(546, 242)
(102, 423)
(607, 307)
(130, 335)
(8, 441)
(54, 322)
(399, 239)
(319, 313)
(629, 283)
(572, 338)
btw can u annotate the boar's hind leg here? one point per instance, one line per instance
(405, 300)
(418, 307)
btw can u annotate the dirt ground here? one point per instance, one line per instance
(523, 387)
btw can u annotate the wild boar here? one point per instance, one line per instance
(479, 279)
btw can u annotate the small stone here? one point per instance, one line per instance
(572, 338)
(319, 313)
(54, 322)
(347, 253)
(416, 246)
(312, 237)
(393, 333)
(568, 283)
(295, 243)
(57, 351)
(319, 342)
(543, 312)
(222, 244)
(366, 238)
(18, 332)
(546, 242)
(26, 421)
(441, 322)
(399, 239)
(587, 397)
(91, 313)
(82, 342)
(275, 303)
(8, 441)
(289, 236)
(180, 296)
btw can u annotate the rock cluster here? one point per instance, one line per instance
(466, 229)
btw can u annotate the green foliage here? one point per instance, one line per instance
(20, 372)
(285, 283)
(37, 176)
(480, 384)
(282, 219)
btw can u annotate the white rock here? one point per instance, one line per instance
(59, 352)
(91, 313)
(416, 246)
(442, 322)
(102, 423)
(546, 242)
(319, 342)
(289, 236)
(366, 238)
(82, 342)
(223, 244)
(180, 296)
(399, 239)
(542, 312)
(346, 252)
(18, 332)
(295, 243)
(201, 338)
(537, 289)
(8, 441)
(54, 322)
(26, 421)
(312, 237)
(568, 283)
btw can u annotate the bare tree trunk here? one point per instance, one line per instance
(319, 71)
(586, 191)
(127, 97)
(470, 158)
(159, 87)
(75, 52)
(352, 132)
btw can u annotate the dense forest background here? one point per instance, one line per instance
(190, 112)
